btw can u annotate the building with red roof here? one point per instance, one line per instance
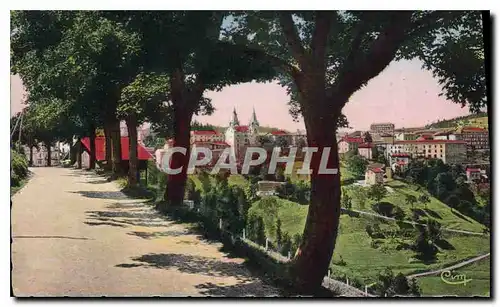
(206, 136)
(473, 174)
(143, 155)
(374, 175)
(348, 143)
(477, 139)
(450, 151)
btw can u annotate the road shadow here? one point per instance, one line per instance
(190, 264)
(253, 289)
(102, 195)
(119, 218)
(100, 181)
(157, 234)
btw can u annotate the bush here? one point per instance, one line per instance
(152, 172)
(384, 208)
(18, 168)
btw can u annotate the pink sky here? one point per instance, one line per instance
(403, 94)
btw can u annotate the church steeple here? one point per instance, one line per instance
(253, 119)
(234, 119)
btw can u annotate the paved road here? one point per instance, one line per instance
(76, 235)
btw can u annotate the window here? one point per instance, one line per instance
(435, 156)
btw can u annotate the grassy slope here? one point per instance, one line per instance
(435, 209)
(479, 272)
(365, 262)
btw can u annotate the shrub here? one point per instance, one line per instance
(18, 168)
(384, 208)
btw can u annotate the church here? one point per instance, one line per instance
(239, 137)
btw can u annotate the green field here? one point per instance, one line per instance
(344, 173)
(435, 210)
(354, 245)
(479, 272)
(364, 262)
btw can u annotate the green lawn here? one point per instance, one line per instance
(479, 272)
(346, 176)
(362, 260)
(435, 209)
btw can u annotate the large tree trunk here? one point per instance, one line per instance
(107, 145)
(132, 149)
(176, 183)
(79, 153)
(321, 229)
(49, 154)
(116, 150)
(92, 153)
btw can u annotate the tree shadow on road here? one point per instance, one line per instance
(255, 289)
(103, 195)
(191, 264)
(100, 181)
(157, 234)
(126, 218)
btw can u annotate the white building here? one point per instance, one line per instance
(40, 155)
(240, 137)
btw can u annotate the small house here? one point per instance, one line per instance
(374, 176)
(473, 174)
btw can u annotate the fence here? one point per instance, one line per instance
(344, 289)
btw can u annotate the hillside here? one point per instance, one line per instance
(360, 257)
(476, 120)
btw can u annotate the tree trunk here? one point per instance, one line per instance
(116, 150)
(176, 183)
(31, 156)
(132, 149)
(321, 229)
(49, 153)
(107, 145)
(92, 153)
(79, 153)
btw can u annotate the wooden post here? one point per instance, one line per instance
(328, 273)
(220, 224)
(289, 255)
(347, 281)
(244, 236)
(366, 289)
(267, 243)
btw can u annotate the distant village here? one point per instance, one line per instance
(467, 145)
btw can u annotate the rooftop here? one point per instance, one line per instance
(204, 132)
(430, 142)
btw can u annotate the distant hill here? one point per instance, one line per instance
(476, 120)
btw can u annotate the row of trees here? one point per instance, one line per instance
(82, 62)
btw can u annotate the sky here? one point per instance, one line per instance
(404, 94)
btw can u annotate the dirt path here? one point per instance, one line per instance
(73, 234)
(452, 267)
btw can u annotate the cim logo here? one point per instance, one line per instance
(454, 279)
